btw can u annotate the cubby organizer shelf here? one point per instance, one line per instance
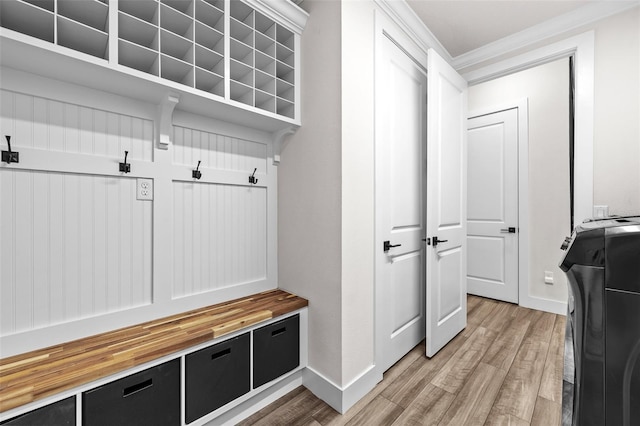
(81, 25)
(262, 71)
(228, 51)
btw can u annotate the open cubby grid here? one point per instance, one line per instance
(262, 68)
(179, 40)
(80, 25)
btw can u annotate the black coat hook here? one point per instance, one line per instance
(252, 178)
(10, 156)
(196, 174)
(125, 167)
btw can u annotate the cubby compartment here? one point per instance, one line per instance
(241, 73)
(241, 32)
(285, 55)
(241, 93)
(276, 350)
(209, 60)
(83, 38)
(176, 70)
(183, 6)
(176, 21)
(61, 413)
(92, 13)
(241, 53)
(145, 10)
(216, 375)
(210, 15)
(141, 58)
(175, 46)
(44, 4)
(284, 37)
(265, 45)
(265, 25)
(35, 19)
(242, 12)
(209, 82)
(265, 101)
(150, 397)
(137, 31)
(285, 108)
(209, 38)
(284, 72)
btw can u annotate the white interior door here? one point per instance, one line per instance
(492, 206)
(400, 160)
(446, 302)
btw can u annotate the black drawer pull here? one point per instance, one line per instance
(278, 331)
(221, 353)
(137, 387)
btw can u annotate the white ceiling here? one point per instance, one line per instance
(464, 25)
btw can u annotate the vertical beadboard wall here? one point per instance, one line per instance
(220, 231)
(80, 254)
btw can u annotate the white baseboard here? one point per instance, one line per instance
(341, 399)
(547, 305)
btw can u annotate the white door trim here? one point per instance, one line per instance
(581, 47)
(522, 105)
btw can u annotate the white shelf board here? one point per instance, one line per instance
(93, 13)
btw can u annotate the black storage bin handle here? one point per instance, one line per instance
(138, 387)
(278, 332)
(221, 353)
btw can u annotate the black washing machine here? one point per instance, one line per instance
(602, 343)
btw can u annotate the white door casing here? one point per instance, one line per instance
(401, 86)
(446, 303)
(492, 206)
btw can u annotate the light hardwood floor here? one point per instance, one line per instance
(505, 368)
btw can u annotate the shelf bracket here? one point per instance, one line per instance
(278, 140)
(165, 120)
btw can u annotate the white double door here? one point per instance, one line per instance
(420, 195)
(492, 211)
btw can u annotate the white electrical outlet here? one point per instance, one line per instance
(144, 189)
(548, 277)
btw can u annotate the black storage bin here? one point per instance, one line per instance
(217, 375)
(61, 413)
(150, 397)
(276, 350)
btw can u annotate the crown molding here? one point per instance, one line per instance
(402, 14)
(287, 12)
(569, 21)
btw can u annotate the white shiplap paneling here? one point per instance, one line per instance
(71, 246)
(220, 236)
(217, 151)
(35, 122)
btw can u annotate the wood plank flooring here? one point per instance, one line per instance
(505, 368)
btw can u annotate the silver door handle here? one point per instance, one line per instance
(510, 230)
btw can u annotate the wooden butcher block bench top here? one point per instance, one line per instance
(28, 377)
